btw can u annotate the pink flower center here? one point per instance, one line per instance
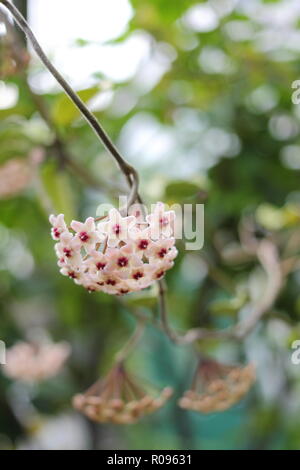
(111, 282)
(143, 244)
(84, 237)
(122, 262)
(123, 291)
(159, 274)
(162, 253)
(116, 229)
(163, 221)
(100, 265)
(72, 274)
(67, 252)
(137, 275)
(56, 232)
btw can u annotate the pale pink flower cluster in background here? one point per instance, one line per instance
(34, 362)
(17, 173)
(118, 255)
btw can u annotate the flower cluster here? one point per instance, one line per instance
(119, 398)
(120, 254)
(32, 362)
(217, 387)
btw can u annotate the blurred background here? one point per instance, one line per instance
(198, 97)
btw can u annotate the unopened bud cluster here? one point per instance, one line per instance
(217, 387)
(119, 398)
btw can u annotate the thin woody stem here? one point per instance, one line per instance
(132, 342)
(129, 171)
(173, 336)
(268, 257)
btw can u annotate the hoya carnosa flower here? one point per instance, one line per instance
(161, 223)
(120, 260)
(217, 387)
(116, 229)
(117, 256)
(96, 262)
(35, 362)
(68, 252)
(86, 233)
(141, 277)
(119, 398)
(163, 250)
(59, 226)
(141, 238)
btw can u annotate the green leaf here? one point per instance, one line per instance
(58, 187)
(179, 190)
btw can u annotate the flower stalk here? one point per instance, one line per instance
(132, 342)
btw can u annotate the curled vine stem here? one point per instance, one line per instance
(268, 257)
(129, 172)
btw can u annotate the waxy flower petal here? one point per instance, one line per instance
(117, 227)
(161, 223)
